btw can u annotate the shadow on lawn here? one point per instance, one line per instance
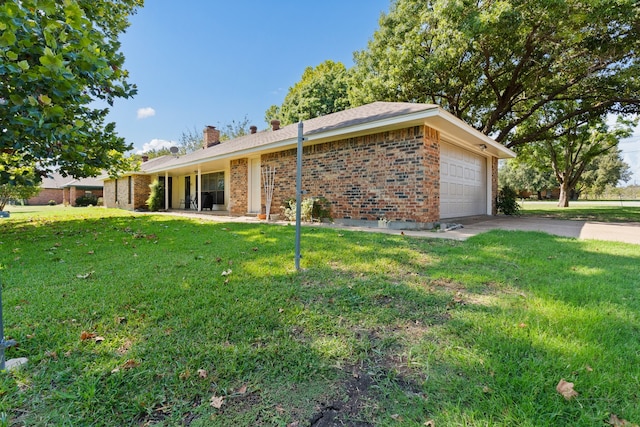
(376, 325)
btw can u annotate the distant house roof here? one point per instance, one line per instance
(55, 180)
(377, 116)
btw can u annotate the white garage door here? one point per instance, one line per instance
(463, 182)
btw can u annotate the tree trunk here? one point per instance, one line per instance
(563, 201)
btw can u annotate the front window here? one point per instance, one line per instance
(213, 184)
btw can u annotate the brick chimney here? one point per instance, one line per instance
(275, 124)
(253, 129)
(211, 137)
(145, 158)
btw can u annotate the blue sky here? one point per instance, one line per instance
(210, 62)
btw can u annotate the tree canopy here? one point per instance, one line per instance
(57, 59)
(522, 176)
(321, 90)
(498, 64)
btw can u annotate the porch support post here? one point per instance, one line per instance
(199, 192)
(166, 190)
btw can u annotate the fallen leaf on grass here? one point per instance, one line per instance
(566, 389)
(217, 401)
(202, 373)
(242, 390)
(85, 276)
(86, 336)
(227, 272)
(99, 339)
(619, 422)
(430, 423)
(131, 363)
(397, 417)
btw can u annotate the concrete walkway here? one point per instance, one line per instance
(618, 232)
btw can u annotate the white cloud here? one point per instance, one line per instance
(156, 144)
(144, 113)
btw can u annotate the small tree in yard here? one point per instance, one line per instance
(21, 181)
(16, 192)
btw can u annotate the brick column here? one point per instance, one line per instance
(431, 174)
(239, 183)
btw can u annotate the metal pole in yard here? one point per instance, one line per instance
(3, 343)
(298, 193)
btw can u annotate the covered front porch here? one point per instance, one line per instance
(225, 187)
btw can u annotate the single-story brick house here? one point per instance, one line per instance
(411, 164)
(60, 189)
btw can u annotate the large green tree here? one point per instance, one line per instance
(497, 64)
(573, 146)
(522, 176)
(604, 172)
(57, 58)
(321, 90)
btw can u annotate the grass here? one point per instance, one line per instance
(620, 211)
(376, 330)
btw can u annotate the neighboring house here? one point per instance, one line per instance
(412, 164)
(65, 190)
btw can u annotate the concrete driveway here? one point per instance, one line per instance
(617, 232)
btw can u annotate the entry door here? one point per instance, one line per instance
(254, 186)
(187, 192)
(162, 182)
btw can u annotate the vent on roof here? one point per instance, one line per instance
(253, 129)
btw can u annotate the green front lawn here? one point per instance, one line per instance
(131, 319)
(622, 211)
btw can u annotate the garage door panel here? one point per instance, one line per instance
(462, 182)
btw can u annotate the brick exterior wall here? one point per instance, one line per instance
(45, 195)
(239, 183)
(393, 175)
(67, 195)
(140, 192)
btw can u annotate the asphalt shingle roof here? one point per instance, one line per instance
(341, 120)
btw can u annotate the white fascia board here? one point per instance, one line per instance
(417, 117)
(231, 155)
(453, 120)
